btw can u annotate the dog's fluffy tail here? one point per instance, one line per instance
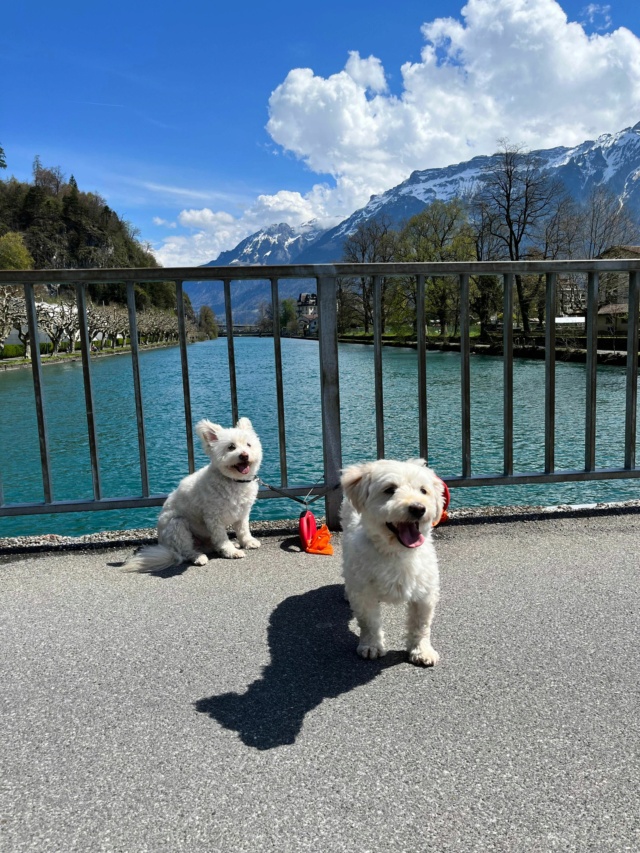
(152, 558)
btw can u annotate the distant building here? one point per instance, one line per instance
(307, 313)
(614, 286)
(613, 319)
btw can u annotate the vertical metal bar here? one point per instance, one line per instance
(507, 374)
(632, 374)
(550, 376)
(592, 364)
(330, 395)
(137, 388)
(377, 364)
(465, 375)
(36, 372)
(421, 341)
(231, 352)
(282, 441)
(85, 340)
(186, 390)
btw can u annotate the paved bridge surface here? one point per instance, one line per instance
(223, 708)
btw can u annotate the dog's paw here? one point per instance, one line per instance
(251, 544)
(201, 560)
(424, 655)
(371, 651)
(231, 551)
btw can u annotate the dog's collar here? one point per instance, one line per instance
(252, 480)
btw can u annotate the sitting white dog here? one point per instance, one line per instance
(388, 556)
(197, 514)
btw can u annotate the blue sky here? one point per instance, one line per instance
(198, 122)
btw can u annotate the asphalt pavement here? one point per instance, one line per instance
(224, 708)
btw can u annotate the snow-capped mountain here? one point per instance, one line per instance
(612, 160)
(277, 244)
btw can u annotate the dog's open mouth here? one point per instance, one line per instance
(407, 533)
(242, 467)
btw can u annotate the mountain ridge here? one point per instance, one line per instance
(611, 160)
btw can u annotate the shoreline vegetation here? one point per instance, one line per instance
(526, 350)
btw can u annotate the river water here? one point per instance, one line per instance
(208, 371)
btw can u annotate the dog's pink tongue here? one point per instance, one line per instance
(409, 534)
(242, 469)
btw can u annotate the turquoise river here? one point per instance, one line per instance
(209, 378)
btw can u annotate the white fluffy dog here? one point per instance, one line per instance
(197, 514)
(388, 556)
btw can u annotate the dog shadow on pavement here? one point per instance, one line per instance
(313, 657)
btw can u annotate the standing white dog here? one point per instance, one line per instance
(388, 556)
(197, 514)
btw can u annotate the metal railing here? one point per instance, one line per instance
(327, 277)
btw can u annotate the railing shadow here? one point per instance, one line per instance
(313, 657)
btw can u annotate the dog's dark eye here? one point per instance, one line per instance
(248, 445)
(424, 491)
(390, 491)
(231, 447)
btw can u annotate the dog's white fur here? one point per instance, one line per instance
(196, 515)
(377, 566)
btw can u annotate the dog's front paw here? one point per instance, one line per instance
(371, 650)
(424, 655)
(231, 551)
(200, 560)
(251, 543)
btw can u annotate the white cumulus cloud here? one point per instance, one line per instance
(507, 68)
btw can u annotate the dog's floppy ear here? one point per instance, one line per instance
(244, 423)
(208, 432)
(436, 482)
(438, 487)
(355, 484)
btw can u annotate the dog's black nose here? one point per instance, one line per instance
(417, 510)
(244, 457)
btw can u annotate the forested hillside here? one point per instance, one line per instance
(63, 227)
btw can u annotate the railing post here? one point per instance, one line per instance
(592, 366)
(330, 395)
(377, 364)
(632, 375)
(550, 376)
(231, 351)
(465, 375)
(507, 374)
(137, 388)
(421, 343)
(277, 352)
(85, 342)
(182, 337)
(36, 372)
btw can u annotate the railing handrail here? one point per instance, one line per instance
(266, 273)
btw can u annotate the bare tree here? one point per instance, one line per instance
(51, 322)
(97, 322)
(7, 297)
(513, 198)
(373, 241)
(264, 319)
(20, 324)
(117, 322)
